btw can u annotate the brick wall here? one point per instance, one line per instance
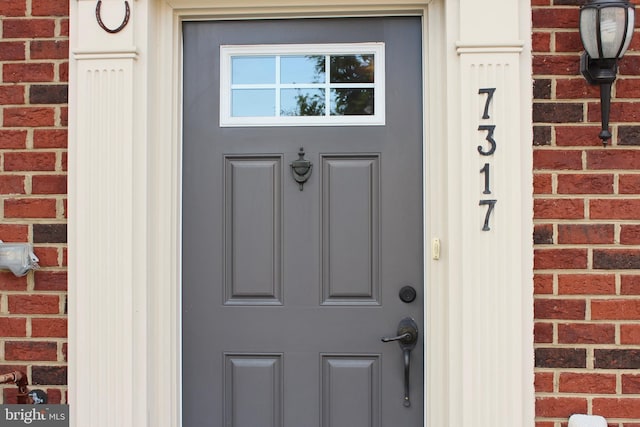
(33, 140)
(587, 230)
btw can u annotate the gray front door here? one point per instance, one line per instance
(287, 292)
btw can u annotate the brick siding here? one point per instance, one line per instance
(34, 51)
(586, 232)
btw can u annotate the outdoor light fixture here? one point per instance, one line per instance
(606, 28)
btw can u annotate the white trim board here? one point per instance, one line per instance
(124, 207)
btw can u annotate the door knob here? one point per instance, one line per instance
(407, 337)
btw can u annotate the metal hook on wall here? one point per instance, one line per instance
(127, 13)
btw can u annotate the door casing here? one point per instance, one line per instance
(430, 153)
(141, 382)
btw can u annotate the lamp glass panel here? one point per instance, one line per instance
(629, 32)
(588, 18)
(612, 30)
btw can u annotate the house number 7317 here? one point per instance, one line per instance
(487, 151)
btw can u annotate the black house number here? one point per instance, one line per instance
(487, 150)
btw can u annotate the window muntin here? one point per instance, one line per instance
(308, 84)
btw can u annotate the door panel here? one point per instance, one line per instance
(286, 292)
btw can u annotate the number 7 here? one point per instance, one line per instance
(489, 91)
(491, 204)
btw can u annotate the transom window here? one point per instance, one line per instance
(307, 84)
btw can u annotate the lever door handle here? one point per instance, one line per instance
(407, 337)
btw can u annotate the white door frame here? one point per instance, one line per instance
(124, 206)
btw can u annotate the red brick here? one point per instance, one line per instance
(54, 396)
(617, 408)
(543, 284)
(11, 94)
(64, 28)
(586, 284)
(54, 375)
(557, 160)
(552, 112)
(64, 116)
(576, 88)
(627, 88)
(33, 72)
(47, 327)
(585, 233)
(29, 161)
(568, 41)
(13, 326)
(543, 332)
(615, 309)
(551, 259)
(558, 208)
(613, 159)
(12, 51)
(586, 333)
(542, 184)
(630, 234)
(50, 8)
(560, 407)
(50, 281)
(63, 71)
(30, 208)
(31, 350)
(49, 49)
(567, 309)
(13, 8)
(630, 384)
(578, 136)
(11, 184)
(587, 383)
(616, 259)
(560, 357)
(555, 18)
(629, 284)
(620, 112)
(49, 184)
(9, 282)
(14, 232)
(544, 382)
(543, 234)
(629, 184)
(27, 117)
(50, 138)
(34, 304)
(585, 184)
(541, 42)
(614, 209)
(27, 28)
(565, 65)
(48, 256)
(11, 139)
(629, 64)
(629, 334)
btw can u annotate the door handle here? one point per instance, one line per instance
(407, 337)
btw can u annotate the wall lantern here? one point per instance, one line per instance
(606, 28)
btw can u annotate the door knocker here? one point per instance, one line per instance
(127, 13)
(301, 169)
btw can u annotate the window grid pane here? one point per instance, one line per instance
(279, 87)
